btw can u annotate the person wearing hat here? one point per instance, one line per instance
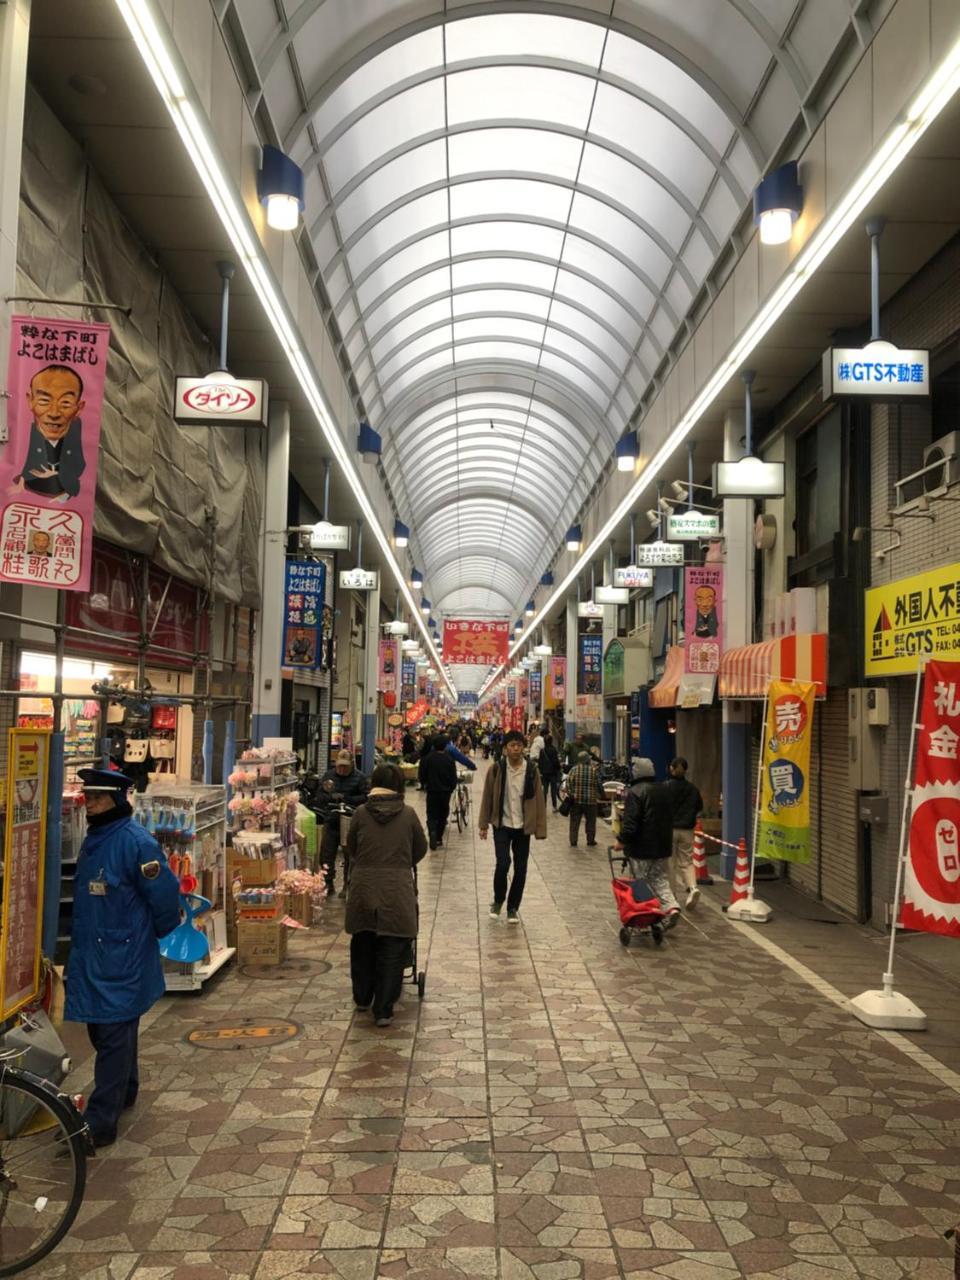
(125, 897)
(343, 784)
(646, 834)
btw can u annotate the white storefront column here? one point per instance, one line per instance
(738, 630)
(608, 727)
(14, 35)
(273, 565)
(570, 683)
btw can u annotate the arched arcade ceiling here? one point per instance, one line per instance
(513, 207)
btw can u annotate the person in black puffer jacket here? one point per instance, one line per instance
(646, 834)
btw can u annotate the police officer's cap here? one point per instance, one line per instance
(104, 780)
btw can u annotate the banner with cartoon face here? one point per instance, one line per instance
(931, 887)
(48, 469)
(784, 826)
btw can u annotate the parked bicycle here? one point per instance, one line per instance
(44, 1142)
(461, 799)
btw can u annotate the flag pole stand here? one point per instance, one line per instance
(887, 1009)
(751, 909)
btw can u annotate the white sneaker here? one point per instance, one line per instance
(693, 897)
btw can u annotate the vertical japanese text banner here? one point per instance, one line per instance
(590, 674)
(784, 828)
(931, 887)
(48, 469)
(388, 666)
(408, 689)
(702, 618)
(303, 614)
(28, 754)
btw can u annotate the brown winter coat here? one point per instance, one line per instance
(385, 843)
(534, 809)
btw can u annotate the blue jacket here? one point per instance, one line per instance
(114, 973)
(460, 757)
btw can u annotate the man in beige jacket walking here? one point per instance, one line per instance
(513, 804)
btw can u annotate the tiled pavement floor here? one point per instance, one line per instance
(558, 1107)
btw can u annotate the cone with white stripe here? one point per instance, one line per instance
(741, 875)
(700, 857)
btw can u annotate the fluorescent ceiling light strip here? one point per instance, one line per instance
(161, 61)
(936, 92)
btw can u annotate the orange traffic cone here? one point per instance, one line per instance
(741, 875)
(700, 857)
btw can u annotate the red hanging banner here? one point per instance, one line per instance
(931, 889)
(475, 643)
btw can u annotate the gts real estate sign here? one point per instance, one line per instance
(912, 619)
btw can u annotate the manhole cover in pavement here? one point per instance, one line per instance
(243, 1033)
(289, 969)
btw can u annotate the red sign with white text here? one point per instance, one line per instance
(931, 891)
(475, 643)
(48, 469)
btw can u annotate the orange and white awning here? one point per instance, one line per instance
(746, 672)
(664, 692)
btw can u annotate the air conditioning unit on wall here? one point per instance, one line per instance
(946, 450)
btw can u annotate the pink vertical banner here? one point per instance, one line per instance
(388, 666)
(48, 470)
(703, 618)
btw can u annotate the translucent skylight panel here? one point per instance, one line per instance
(697, 255)
(519, 150)
(678, 295)
(577, 321)
(613, 228)
(422, 254)
(325, 243)
(414, 293)
(417, 168)
(662, 327)
(404, 381)
(634, 125)
(648, 355)
(510, 196)
(561, 344)
(409, 220)
(743, 166)
(607, 270)
(405, 116)
(498, 327)
(526, 93)
(512, 34)
(586, 384)
(337, 282)
(513, 237)
(507, 271)
(720, 211)
(404, 331)
(389, 364)
(631, 187)
(630, 60)
(496, 350)
(399, 61)
(501, 300)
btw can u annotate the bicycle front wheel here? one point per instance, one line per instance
(43, 1169)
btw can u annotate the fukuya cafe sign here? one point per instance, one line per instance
(219, 400)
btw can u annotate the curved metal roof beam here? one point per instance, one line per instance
(480, 414)
(551, 223)
(494, 317)
(469, 553)
(486, 570)
(628, 87)
(438, 135)
(482, 483)
(484, 457)
(567, 455)
(460, 259)
(508, 175)
(582, 407)
(444, 545)
(503, 505)
(552, 8)
(482, 586)
(541, 347)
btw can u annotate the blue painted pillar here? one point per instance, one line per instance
(208, 751)
(229, 753)
(52, 860)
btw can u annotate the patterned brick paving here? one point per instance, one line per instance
(558, 1108)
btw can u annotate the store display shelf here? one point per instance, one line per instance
(191, 977)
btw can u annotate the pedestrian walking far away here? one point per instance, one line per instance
(512, 803)
(686, 805)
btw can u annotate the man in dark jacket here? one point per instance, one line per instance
(344, 784)
(646, 834)
(438, 777)
(686, 804)
(125, 897)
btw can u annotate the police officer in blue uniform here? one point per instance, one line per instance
(125, 898)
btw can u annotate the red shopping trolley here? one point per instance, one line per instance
(637, 905)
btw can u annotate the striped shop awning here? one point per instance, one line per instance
(664, 692)
(746, 672)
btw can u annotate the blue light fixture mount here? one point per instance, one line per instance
(778, 203)
(280, 187)
(369, 443)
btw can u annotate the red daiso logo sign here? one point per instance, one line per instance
(241, 401)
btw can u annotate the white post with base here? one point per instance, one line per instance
(888, 1009)
(751, 909)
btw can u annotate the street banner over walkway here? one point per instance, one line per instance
(931, 887)
(784, 827)
(475, 642)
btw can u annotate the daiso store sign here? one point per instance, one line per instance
(221, 400)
